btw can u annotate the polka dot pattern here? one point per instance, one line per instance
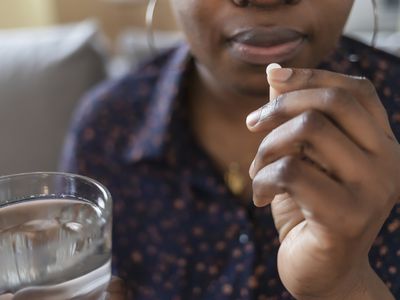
(178, 231)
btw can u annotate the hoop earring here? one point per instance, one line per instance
(151, 6)
(376, 23)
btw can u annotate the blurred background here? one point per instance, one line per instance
(116, 17)
(113, 16)
(53, 51)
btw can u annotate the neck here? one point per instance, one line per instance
(218, 120)
(228, 104)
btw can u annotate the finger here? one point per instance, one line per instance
(287, 80)
(317, 195)
(336, 104)
(114, 296)
(286, 214)
(273, 93)
(314, 136)
(116, 285)
(116, 289)
(6, 297)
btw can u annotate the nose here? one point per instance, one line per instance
(263, 3)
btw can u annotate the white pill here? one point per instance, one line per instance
(272, 66)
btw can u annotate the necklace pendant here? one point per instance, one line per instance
(234, 179)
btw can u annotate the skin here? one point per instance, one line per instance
(116, 290)
(329, 148)
(207, 25)
(310, 150)
(224, 89)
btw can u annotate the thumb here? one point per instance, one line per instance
(254, 117)
(273, 93)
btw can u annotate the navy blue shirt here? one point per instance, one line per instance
(179, 233)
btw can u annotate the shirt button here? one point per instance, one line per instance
(354, 58)
(243, 238)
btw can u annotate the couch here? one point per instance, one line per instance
(43, 74)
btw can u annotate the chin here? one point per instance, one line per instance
(249, 80)
(252, 87)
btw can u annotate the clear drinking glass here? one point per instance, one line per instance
(55, 237)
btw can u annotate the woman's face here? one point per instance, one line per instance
(234, 40)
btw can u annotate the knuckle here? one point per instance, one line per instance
(311, 121)
(308, 76)
(337, 98)
(286, 170)
(366, 86)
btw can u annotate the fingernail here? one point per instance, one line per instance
(280, 74)
(253, 118)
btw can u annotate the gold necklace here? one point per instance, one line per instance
(234, 179)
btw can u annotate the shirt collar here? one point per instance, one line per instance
(151, 138)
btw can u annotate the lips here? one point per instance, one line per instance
(264, 45)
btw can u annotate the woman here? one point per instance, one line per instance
(171, 143)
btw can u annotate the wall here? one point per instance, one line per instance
(361, 18)
(26, 13)
(114, 15)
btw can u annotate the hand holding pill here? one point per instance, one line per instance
(329, 168)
